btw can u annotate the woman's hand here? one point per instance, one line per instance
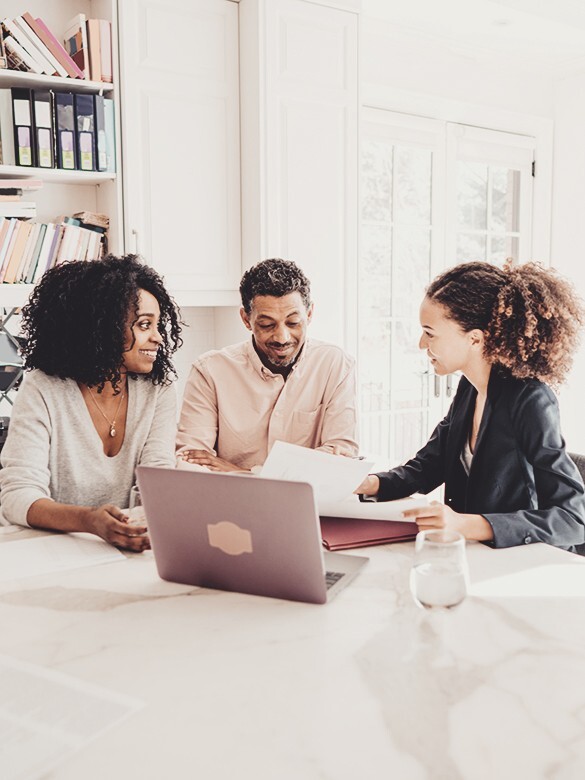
(109, 522)
(369, 487)
(437, 516)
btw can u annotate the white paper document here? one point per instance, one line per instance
(45, 716)
(333, 477)
(369, 510)
(47, 554)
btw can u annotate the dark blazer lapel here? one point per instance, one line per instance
(493, 393)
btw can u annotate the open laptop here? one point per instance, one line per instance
(240, 533)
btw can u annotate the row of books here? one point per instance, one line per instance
(28, 44)
(28, 249)
(46, 129)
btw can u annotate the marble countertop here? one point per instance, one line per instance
(368, 686)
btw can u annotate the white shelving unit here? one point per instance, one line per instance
(65, 192)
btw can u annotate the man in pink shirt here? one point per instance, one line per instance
(277, 385)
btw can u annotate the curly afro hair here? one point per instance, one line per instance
(530, 316)
(75, 323)
(274, 277)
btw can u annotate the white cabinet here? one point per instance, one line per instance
(180, 131)
(299, 148)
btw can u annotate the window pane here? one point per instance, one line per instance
(472, 181)
(412, 268)
(503, 247)
(375, 283)
(505, 199)
(376, 181)
(412, 185)
(409, 383)
(470, 247)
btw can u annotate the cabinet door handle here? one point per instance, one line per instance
(135, 234)
(449, 385)
(437, 385)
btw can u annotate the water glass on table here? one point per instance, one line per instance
(439, 573)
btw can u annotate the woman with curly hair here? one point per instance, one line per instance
(499, 452)
(96, 401)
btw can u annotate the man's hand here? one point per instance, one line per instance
(211, 461)
(437, 516)
(109, 522)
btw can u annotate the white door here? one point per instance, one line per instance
(401, 241)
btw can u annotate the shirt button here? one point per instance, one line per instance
(527, 539)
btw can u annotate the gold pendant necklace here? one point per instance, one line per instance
(111, 423)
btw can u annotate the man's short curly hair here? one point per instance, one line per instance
(530, 316)
(274, 277)
(75, 324)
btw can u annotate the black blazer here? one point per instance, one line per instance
(521, 478)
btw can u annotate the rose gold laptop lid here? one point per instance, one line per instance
(239, 533)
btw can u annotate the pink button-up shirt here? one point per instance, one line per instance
(235, 406)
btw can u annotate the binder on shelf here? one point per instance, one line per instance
(22, 113)
(85, 132)
(95, 55)
(44, 131)
(7, 156)
(106, 50)
(110, 130)
(54, 45)
(100, 133)
(65, 130)
(76, 43)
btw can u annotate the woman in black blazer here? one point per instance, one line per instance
(499, 452)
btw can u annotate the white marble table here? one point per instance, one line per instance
(366, 687)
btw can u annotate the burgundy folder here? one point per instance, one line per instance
(343, 533)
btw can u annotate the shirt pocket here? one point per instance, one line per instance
(306, 427)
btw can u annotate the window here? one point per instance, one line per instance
(431, 194)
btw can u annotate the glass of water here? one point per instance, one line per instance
(439, 573)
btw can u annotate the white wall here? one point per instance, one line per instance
(421, 65)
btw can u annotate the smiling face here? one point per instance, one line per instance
(143, 338)
(448, 346)
(279, 326)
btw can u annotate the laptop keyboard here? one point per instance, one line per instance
(331, 577)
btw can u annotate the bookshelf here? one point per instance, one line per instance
(64, 192)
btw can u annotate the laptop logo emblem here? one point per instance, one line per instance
(229, 538)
